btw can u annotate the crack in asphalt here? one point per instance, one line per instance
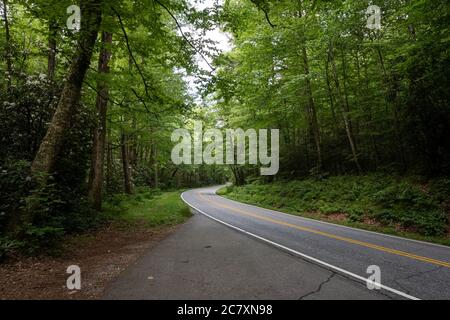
(333, 274)
(320, 286)
(418, 274)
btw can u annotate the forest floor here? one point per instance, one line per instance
(101, 255)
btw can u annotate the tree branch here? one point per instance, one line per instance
(131, 52)
(184, 36)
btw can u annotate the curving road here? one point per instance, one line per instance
(409, 269)
(230, 250)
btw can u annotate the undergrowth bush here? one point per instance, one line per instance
(38, 215)
(387, 199)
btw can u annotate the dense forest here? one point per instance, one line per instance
(87, 109)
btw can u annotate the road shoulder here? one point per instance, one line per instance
(206, 260)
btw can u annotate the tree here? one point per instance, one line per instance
(51, 145)
(98, 148)
(8, 51)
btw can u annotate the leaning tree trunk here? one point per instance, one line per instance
(98, 147)
(50, 146)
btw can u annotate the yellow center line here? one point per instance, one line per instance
(332, 236)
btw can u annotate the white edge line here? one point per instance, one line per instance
(338, 225)
(329, 266)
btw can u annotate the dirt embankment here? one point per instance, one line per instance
(101, 256)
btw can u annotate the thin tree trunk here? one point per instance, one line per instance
(398, 142)
(330, 94)
(52, 34)
(8, 51)
(367, 110)
(311, 108)
(109, 163)
(156, 167)
(51, 145)
(126, 165)
(98, 148)
(344, 112)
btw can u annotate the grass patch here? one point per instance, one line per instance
(148, 207)
(374, 202)
(154, 208)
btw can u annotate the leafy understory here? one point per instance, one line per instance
(153, 208)
(375, 202)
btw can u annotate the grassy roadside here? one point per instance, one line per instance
(129, 227)
(153, 208)
(375, 202)
(147, 208)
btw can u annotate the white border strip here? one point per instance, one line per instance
(327, 265)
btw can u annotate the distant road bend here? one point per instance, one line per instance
(409, 269)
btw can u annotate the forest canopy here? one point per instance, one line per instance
(87, 112)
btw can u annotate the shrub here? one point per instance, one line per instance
(378, 196)
(7, 246)
(39, 214)
(14, 185)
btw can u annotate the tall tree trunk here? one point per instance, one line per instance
(50, 147)
(109, 162)
(311, 110)
(344, 111)
(364, 91)
(52, 34)
(126, 165)
(398, 141)
(8, 51)
(156, 167)
(98, 147)
(330, 95)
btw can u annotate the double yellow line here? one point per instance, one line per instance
(329, 235)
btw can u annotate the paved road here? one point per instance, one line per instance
(230, 250)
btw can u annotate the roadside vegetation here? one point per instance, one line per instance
(87, 114)
(375, 202)
(148, 208)
(153, 208)
(130, 227)
(86, 117)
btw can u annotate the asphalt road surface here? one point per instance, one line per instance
(230, 250)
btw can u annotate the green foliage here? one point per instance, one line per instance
(50, 212)
(408, 205)
(14, 184)
(389, 85)
(24, 115)
(8, 246)
(391, 202)
(378, 100)
(45, 239)
(440, 190)
(40, 214)
(152, 207)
